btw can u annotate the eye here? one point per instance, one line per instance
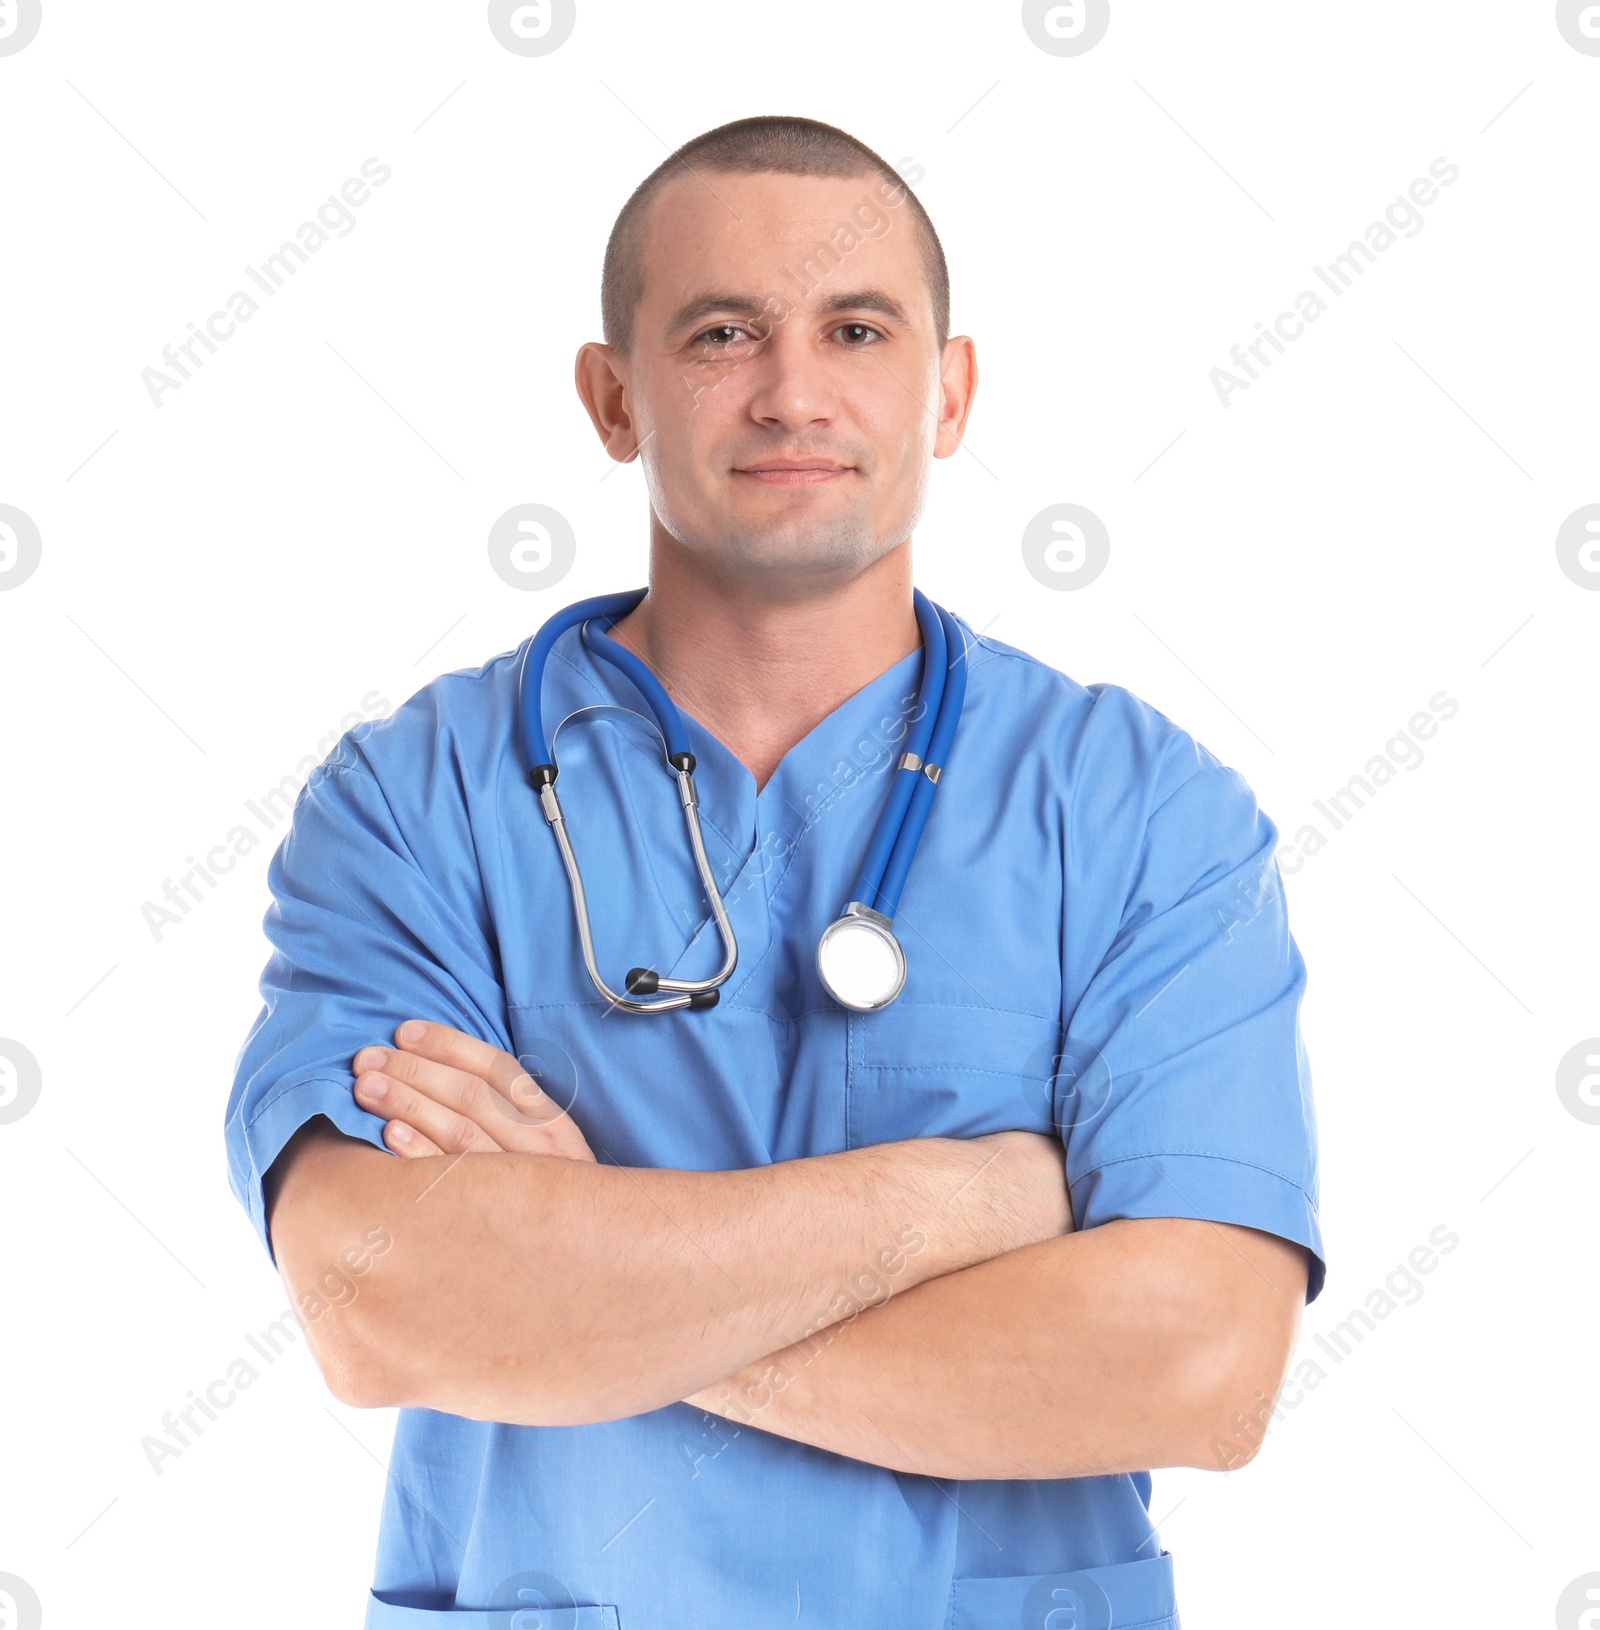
(858, 328)
(735, 335)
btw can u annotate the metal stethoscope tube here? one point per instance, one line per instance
(686, 992)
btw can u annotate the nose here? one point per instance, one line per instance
(794, 387)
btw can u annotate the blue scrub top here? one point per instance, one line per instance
(1097, 945)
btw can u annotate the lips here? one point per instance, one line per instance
(793, 464)
(794, 472)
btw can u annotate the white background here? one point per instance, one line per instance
(304, 523)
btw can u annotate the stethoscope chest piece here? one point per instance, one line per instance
(860, 959)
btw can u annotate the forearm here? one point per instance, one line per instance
(1121, 1348)
(535, 1290)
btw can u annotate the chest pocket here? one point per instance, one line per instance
(943, 1070)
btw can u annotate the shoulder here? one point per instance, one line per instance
(462, 718)
(1114, 747)
(425, 773)
(1151, 815)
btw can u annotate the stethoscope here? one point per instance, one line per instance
(859, 958)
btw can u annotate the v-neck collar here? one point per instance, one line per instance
(821, 784)
(729, 801)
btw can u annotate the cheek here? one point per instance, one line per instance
(677, 471)
(894, 421)
(901, 452)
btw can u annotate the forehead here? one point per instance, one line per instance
(712, 233)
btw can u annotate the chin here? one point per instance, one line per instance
(808, 554)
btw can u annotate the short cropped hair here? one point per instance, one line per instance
(769, 144)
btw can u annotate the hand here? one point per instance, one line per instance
(445, 1092)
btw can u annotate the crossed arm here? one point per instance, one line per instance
(924, 1306)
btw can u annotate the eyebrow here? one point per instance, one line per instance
(742, 305)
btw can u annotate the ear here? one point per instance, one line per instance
(958, 384)
(602, 380)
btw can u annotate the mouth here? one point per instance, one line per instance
(807, 472)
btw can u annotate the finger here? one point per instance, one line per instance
(405, 1141)
(455, 1089)
(447, 1045)
(506, 1101)
(396, 1100)
(480, 1061)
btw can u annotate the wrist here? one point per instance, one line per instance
(952, 1205)
(1011, 1193)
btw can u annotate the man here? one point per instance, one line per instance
(776, 1312)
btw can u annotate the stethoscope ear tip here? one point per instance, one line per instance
(647, 982)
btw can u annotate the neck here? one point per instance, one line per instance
(761, 667)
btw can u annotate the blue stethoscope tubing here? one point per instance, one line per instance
(895, 838)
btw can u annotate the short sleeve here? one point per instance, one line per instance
(364, 935)
(1189, 1090)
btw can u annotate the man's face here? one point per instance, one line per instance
(785, 321)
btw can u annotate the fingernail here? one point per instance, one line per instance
(400, 1131)
(413, 1030)
(370, 1058)
(372, 1086)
